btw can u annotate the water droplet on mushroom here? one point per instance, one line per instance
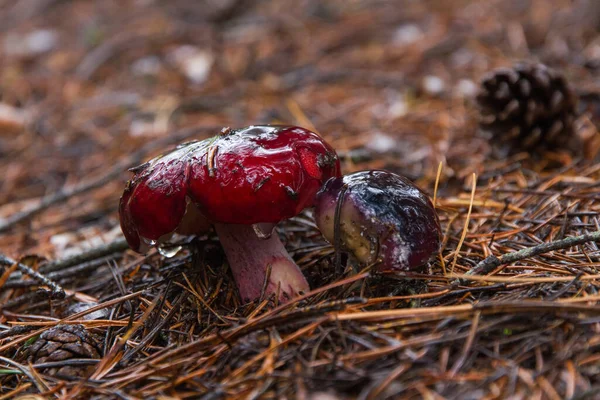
(149, 242)
(169, 251)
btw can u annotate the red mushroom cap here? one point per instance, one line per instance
(251, 175)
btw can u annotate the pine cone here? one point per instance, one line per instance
(61, 343)
(529, 107)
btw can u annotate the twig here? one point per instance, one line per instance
(564, 289)
(89, 257)
(62, 363)
(100, 181)
(492, 262)
(17, 282)
(16, 330)
(468, 344)
(41, 385)
(17, 301)
(466, 227)
(104, 250)
(152, 334)
(57, 291)
(60, 197)
(263, 291)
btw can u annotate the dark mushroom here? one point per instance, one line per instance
(241, 181)
(379, 217)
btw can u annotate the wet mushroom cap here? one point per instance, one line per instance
(261, 174)
(258, 174)
(382, 217)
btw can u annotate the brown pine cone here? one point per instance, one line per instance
(64, 342)
(529, 107)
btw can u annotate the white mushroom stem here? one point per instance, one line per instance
(251, 259)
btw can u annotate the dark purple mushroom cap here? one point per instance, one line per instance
(382, 217)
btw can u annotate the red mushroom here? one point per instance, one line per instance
(244, 182)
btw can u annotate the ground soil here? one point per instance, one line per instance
(89, 89)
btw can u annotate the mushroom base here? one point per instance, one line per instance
(250, 259)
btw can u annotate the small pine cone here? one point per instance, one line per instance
(64, 342)
(528, 107)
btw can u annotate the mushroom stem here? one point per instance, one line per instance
(251, 259)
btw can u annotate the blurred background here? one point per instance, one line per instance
(90, 88)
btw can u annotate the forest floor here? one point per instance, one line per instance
(89, 89)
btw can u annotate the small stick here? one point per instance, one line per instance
(16, 280)
(60, 197)
(37, 381)
(437, 183)
(79, 262)
(212, 152)
(263, 291)
(466, 227)
(492, 262)
(116, 246)
(25, 298)
(113, 173)
(155, 330)
(17, 330)
(57, 291)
